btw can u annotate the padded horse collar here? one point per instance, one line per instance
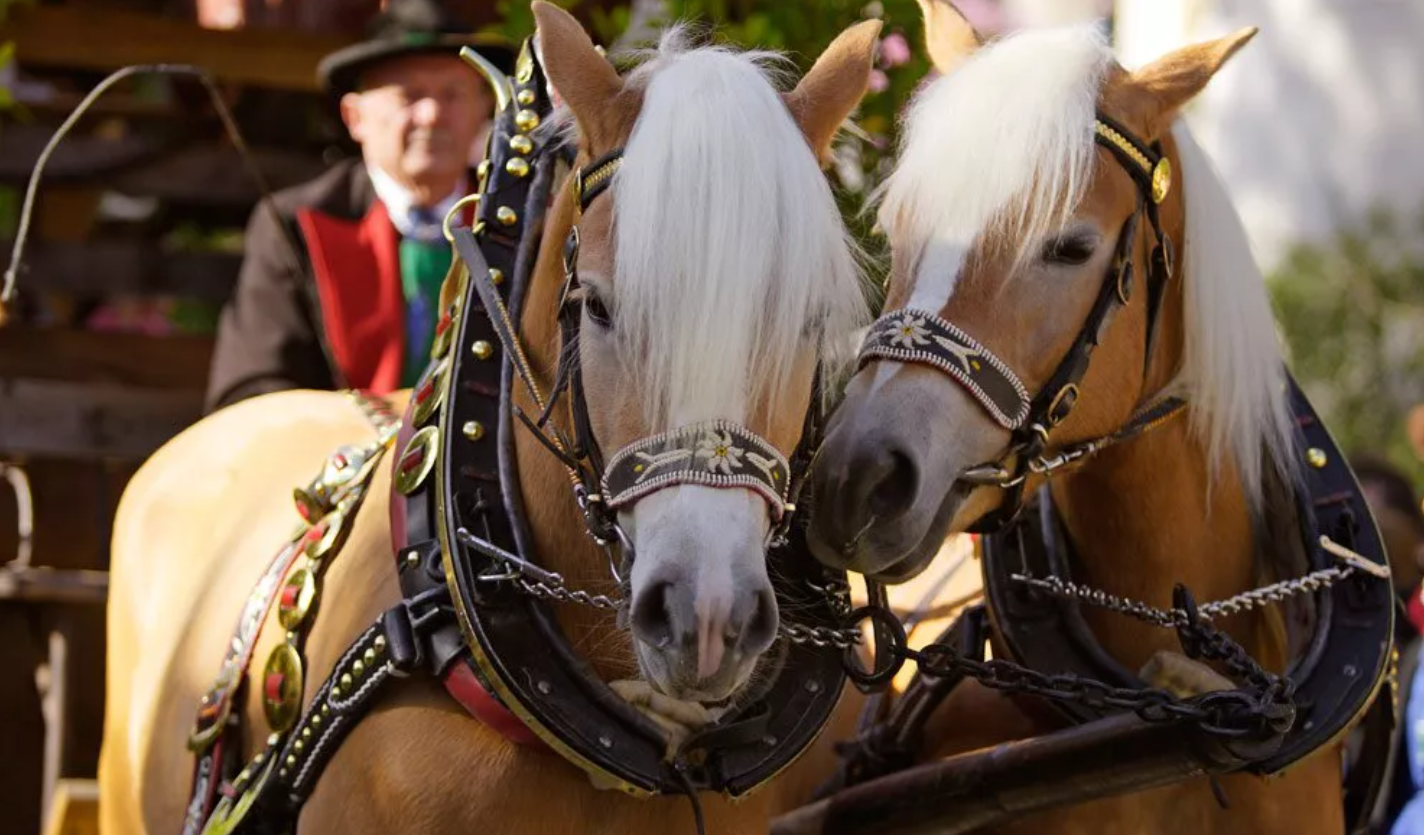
(920, 336)
(466, 527)
(1345, 661)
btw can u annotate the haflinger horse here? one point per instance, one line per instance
(1033, 215)
(702, 283)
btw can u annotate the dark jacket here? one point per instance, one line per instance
(286, 325)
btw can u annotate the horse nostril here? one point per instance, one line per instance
(896, 482)
(652, 615)
(762, 624)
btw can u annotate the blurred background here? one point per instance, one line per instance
(138, 239)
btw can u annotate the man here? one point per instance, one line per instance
(339, 286)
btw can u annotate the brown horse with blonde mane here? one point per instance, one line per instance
(704, 287)
(1039, 199)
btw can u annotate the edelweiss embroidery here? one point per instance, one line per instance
(719, 453)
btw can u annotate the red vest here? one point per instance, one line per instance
(358, 282)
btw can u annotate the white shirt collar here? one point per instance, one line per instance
(399, 201)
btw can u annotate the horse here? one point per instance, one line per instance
(713, 275)
(1033, 175)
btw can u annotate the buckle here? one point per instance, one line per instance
(1062, 404)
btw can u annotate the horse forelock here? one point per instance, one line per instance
(1001, 149)
(728, 245)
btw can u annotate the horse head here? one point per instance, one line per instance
(703, 270)
(1034, 220)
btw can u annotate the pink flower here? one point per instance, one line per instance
(894, 50)
(879, 81)
(986, 16)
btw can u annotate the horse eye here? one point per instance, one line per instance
(597, 311)
(1070, 250)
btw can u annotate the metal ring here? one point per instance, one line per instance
(459, 204)
(24, 511)
(887, 659)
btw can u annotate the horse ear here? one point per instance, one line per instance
(834, 86)
(949, 37)
(583, 77)
(1171, 81)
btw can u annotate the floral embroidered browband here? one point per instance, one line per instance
(714, 454)
(911, 335)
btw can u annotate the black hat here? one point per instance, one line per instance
(407, 27)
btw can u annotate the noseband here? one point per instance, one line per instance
(917, 336)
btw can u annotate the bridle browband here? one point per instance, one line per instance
(919, 336)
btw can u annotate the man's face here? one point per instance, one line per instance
(417, 117)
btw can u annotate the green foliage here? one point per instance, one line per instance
(1352, 312)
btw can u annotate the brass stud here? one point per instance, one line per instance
(518, 166)
(299, 746)
(316, 721)
(306, 733)
(482, 349)
(412, 559)
(359, 668)
(496, 276)
(521, 144)
(380, 643)
(291, 760)
(346, 680)
(506, 216)
(326, 710)
(1315, 457)
(526, 120)
(282, 774)
(369, 656)
(483, 169)
(525, 96)
(336, 690)
(473, 429)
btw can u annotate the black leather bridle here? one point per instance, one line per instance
(919, 336)
(713, 453)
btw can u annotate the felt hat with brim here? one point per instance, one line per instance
(407, 27)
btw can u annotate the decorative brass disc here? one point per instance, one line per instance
(228, 812)
(282, 687)
(444, 333)
(296, 598)
(323, 536)
(1161, 180)
(429, 391)
(417, 460)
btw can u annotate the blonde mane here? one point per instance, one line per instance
(730, 250)
(1003, 147)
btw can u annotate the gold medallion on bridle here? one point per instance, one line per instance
(322, 537)
(429, 391)
(417, 460)
(444, 332)
(1161, 180)
(282, 687)
(295, 600)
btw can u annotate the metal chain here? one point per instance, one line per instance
(1244, 602)
(1262, 706)
(560, 593)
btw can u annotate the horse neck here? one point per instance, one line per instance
(560, 540)
(1153, 512)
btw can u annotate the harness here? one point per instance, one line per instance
(1121, 734)
(475, 611)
